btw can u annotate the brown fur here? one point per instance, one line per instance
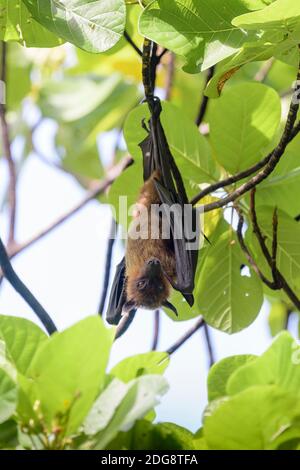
(140, 251)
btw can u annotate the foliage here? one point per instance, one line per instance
(56, 392)
(70, 64)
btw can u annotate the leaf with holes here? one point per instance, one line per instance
(92, 25)
(228, 298)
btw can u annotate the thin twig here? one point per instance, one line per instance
(242, 175)
(12, 198)
(279, 278)
(132, 43)
(109, 253)
(271, 284)
(272, 163)
(24, 292)
(97, 191)
(205, 99)
(209, 346)
(199, 324)
(156, 330)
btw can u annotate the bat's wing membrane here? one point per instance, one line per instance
(117, 297)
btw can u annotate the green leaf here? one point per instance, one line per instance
(139, 398)
(270, 44)
(8, 396)
(220, 373)
(148, 436)
(68, 372)
(17, 24)
(279, 365)
(8, 435)
(229, 300)
(22, 340)
(288, 252)
(281, 188)
(251, 420)
(283, 14)
(243, 122)
(92, 25)
(140, 364)
(200, 31)
(278, 317)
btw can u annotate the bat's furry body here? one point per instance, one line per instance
(152, 266)
(149, 262)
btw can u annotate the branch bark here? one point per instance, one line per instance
(24, 292)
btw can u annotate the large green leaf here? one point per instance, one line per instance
(148, 436)
(22, 340)
(282, 14)
(220, 373)
(8, 396)
(252, 419)
(243, 122)
(279, 365)
(8, 435)
(128, 403)
(201, 30)
(68, 372)
(228, 299)
(17, 24)
(140, 364)
(92, 25)
(270, 44)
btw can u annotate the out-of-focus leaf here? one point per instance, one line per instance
(17, 24)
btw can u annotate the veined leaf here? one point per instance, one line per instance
(92, 25)
(201, 30)
(243, 122)
(228, 300)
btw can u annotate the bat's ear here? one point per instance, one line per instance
(170, 306)
(128, 306)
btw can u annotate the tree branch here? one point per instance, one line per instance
(156, 330)
(205, 99)
(132, 43)
(97, 191)
(24, 292)
(271, 164)
(12, 198)
(110, 246)
(199, 324)
(242, 175)
(209, 346)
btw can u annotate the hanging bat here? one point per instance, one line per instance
(153, 266)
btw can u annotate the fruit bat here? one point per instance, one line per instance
(153, 266)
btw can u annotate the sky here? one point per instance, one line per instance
(65, 272)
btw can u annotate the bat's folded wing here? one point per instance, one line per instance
(185, 241)
(117, 297)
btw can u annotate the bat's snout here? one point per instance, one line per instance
(153, 267)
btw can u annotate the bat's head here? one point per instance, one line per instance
(147, 287)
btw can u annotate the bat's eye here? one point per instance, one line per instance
(141, 284)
